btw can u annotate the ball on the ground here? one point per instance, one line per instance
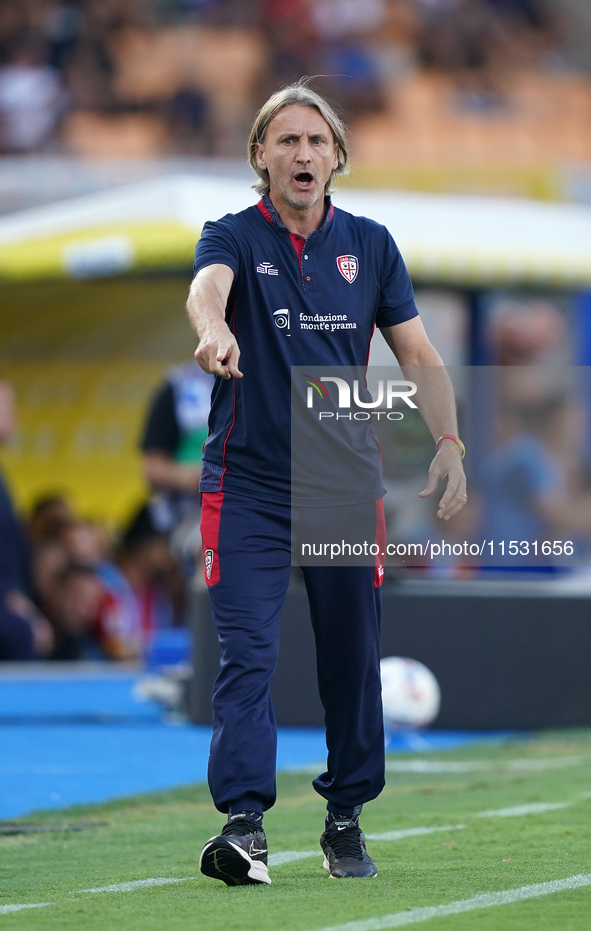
(410, 693)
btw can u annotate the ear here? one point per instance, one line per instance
(335, 161)
(260, 156)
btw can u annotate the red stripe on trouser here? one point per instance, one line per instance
(381, 542)
(211, 512)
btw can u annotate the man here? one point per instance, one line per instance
(255, 272)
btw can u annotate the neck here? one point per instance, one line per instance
(303, 222)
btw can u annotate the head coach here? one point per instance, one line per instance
(258, 273)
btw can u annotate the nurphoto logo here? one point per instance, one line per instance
(395, 389)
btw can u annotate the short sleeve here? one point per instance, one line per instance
(397, 301)
(162, 429)
(217, 246)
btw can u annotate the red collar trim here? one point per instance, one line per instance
(271, 216)
(265, 211)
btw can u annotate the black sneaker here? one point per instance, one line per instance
(345, 855)
(238, 855)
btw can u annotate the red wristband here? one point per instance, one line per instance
(450, 436)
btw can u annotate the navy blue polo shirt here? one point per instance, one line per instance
(293, 302)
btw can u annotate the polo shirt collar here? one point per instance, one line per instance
(266, 207)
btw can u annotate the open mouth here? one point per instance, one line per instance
(304, 179)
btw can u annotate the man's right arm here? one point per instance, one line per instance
(218, 351)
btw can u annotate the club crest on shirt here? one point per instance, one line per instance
(208, 555)
(348, 267)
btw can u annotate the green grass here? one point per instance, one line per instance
(160, 835)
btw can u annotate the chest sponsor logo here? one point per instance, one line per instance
(266, 268)
(348, 267)
(281, 318)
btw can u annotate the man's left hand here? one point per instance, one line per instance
(447, 464)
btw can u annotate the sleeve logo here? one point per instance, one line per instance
(348, 267)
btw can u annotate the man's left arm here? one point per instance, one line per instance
(422, 365)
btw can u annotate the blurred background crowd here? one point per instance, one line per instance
(161, 77)
(73, 588)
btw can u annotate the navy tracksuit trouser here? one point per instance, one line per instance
(247, 547)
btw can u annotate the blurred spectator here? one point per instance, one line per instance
(528, 332)
(87, 70)
(532, 482)
(73, 602)
(175, 431)
(480, 42)
(32, 98)
(522, 476)
(24, 633)
(58, 539)
(333, 39)
(63, 29)
(187, 113)
(50, 513)
(224, 12)
(140, 591)
(353, 77)
(84, 543)
(292, 40)
(465, 39)
(534, 24)
(337, 19)
(49, 560)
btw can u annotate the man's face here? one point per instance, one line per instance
(299, 152)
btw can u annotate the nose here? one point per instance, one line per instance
(303, 152)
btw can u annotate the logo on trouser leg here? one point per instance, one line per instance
(208, 563)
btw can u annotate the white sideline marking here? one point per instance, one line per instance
(5, 909)
(556, 762)
(137, 884)
(472, 766)
(312, 768)
(413, 832)
(117, 887)
(422, 765)
(536, 808)
(484, 900)
(434, 766)
(290, 856)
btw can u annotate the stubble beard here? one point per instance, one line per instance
(298, 204)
